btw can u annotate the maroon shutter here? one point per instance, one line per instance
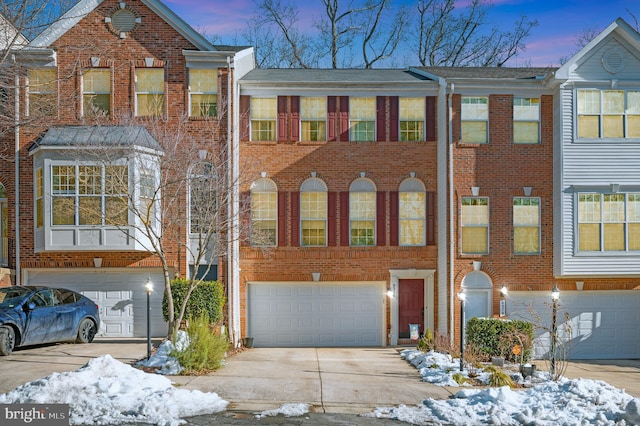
(430, 115)
(394, 118)
(331, 219)
(381, 218)
(282, 118)
(394, 218)
(295, 118)
(344, 219)
(331, 118)
(245, 103)
(282, 219)
(431, 218)
(344, 118)
(295, 218)
(245, 219)
(381, 119)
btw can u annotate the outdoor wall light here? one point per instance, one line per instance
(503, 301)
(390, 293)
(504, 291)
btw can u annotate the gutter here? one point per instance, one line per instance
(16, 189)
(451, 217)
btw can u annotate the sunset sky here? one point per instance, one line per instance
(559, 21)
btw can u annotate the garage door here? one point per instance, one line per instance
(299, 314)
(602, 324)
(119, 294)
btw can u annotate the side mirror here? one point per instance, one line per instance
(29, 306)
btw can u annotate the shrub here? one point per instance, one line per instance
(427, 343)
(499, 377)
(206, 351)
(459, 378)
(207, 299)
(497, 337)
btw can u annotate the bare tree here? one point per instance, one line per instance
(377, 46)
(448, 36)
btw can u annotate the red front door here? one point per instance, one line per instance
(410, 306)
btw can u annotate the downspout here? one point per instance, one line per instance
(16, 190)
(451, 224)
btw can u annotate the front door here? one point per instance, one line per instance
(410, 306)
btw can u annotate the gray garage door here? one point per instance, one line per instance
(119, 294)
(603, 324)
(300, 314)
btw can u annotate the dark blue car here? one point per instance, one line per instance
(33, 315)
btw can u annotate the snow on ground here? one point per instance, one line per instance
(565, 402)
(105, 391)
(287, 410)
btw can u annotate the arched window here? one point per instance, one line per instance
(412, 212)
(313, 212)
(264, 212)
(203, 202)
(362, 212)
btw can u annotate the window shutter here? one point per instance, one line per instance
(331, 218)
(381, 119)
(381, 218)
(282, 219)
(282, 118)
(344, 118)
(431, 218)
(394, 218)
(344, 219)
(295, 118)
(394, 118)
(331, 118)
(295, 218)
(430, 115)
(245, 221)
(245, 102)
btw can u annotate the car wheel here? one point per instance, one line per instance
(7, 340)
(86, 331)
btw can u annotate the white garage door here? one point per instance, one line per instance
(120, 295)
(603, 324)
(299, 314)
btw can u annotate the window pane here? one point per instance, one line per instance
(474, 132)
(613, 102)
(313, 205)
(589, 208)
(474, 240)
(312, 108)
(475, 108)
(64, 210)
(90, 180)
(588, 102)
(362, 232)
(412, 232)
(203, 81)
(263, 108)
(634, 236)
(412, 109)
(150, 80)
(362, 205)
(204, 105)
(263, 218)
(589, 236)
(116, 180)
(412, 205)
(526, 109)
(116, 211)
(526, 239)
(96, 104)
(90, 210)
(613, 236)
(362, 131)
(411, 131)
(362, 116)
(526, 132)
(97, 81)
(589, 127)
(313, 232)
(150, 105)
(64, 180)
(613, 209)
(263, 232)
(613, 126)
(633, 126)
(313, 130)
(475, 211)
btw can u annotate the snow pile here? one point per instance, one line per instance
(106, 391)
(161, 360)
(566, 402)
(287, 410)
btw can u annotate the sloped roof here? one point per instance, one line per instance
(488, 72)
(331, 76)
(9, 35)
(84, 7)
(98, 136)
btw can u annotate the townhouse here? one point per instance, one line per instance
(363, 201)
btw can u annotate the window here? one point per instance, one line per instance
(613, 114)
(89, 195)
(263, 119)
(475, 119)
(526, 225)
(147, 196)
(412, 116)
(412, 209)
(149, 92)
(203, 203)
(313, 118)
(42, 91)
(264, 213)
(609, 222)
(203, 93)
(313, 212)
(526, 120)
(475, 225)
(362, 212)
(362, 119)
(96, 92)
(39, 192)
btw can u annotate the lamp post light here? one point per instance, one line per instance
(148, 288)
(463, 297)
(555, 295)
(503, 300)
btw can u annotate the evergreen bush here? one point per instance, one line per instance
(206, 350)
(207, 299)
(498, 337)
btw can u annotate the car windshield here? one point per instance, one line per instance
(9, 296)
